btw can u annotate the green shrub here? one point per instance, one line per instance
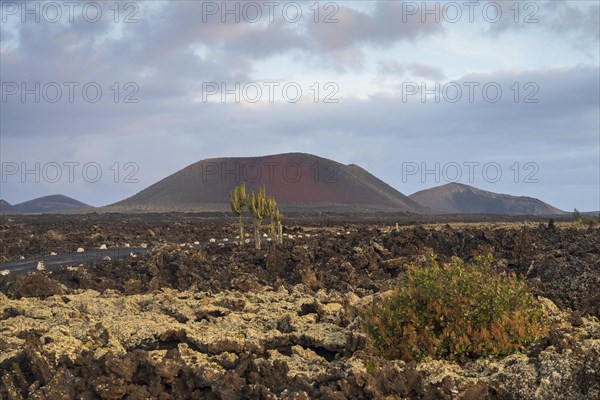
(589, 222)
(455, 311)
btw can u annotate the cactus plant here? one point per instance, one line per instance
(257, 204)
(260, 206)
(271, 208)
(237, 200)
(278, 218)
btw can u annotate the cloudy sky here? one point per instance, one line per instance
(99, 101)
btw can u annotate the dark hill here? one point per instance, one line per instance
(465, 199)
(6, 207)
(49, 204)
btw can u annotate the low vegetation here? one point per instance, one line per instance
(590, 221)
(455, 311)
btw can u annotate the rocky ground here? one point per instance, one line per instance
(284, 322)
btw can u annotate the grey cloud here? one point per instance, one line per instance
(381, 28)
(399, 69)
(558, 134)
(583, 24)
(157, 54)
(427, 71)
(392, 67)
(156, 42)
(575, 20)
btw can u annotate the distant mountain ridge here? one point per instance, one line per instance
(47, 204)
(464, 199)
(299, 181)
(6, 207)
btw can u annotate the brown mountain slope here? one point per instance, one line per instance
(464, 199)
(298, 181)
(49, 204)
(6, 207)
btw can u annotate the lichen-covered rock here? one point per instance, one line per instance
(269, 343)
(114, 343)
(227, 322)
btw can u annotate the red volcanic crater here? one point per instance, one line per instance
(297, 180)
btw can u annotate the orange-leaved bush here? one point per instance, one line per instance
(455, 311)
